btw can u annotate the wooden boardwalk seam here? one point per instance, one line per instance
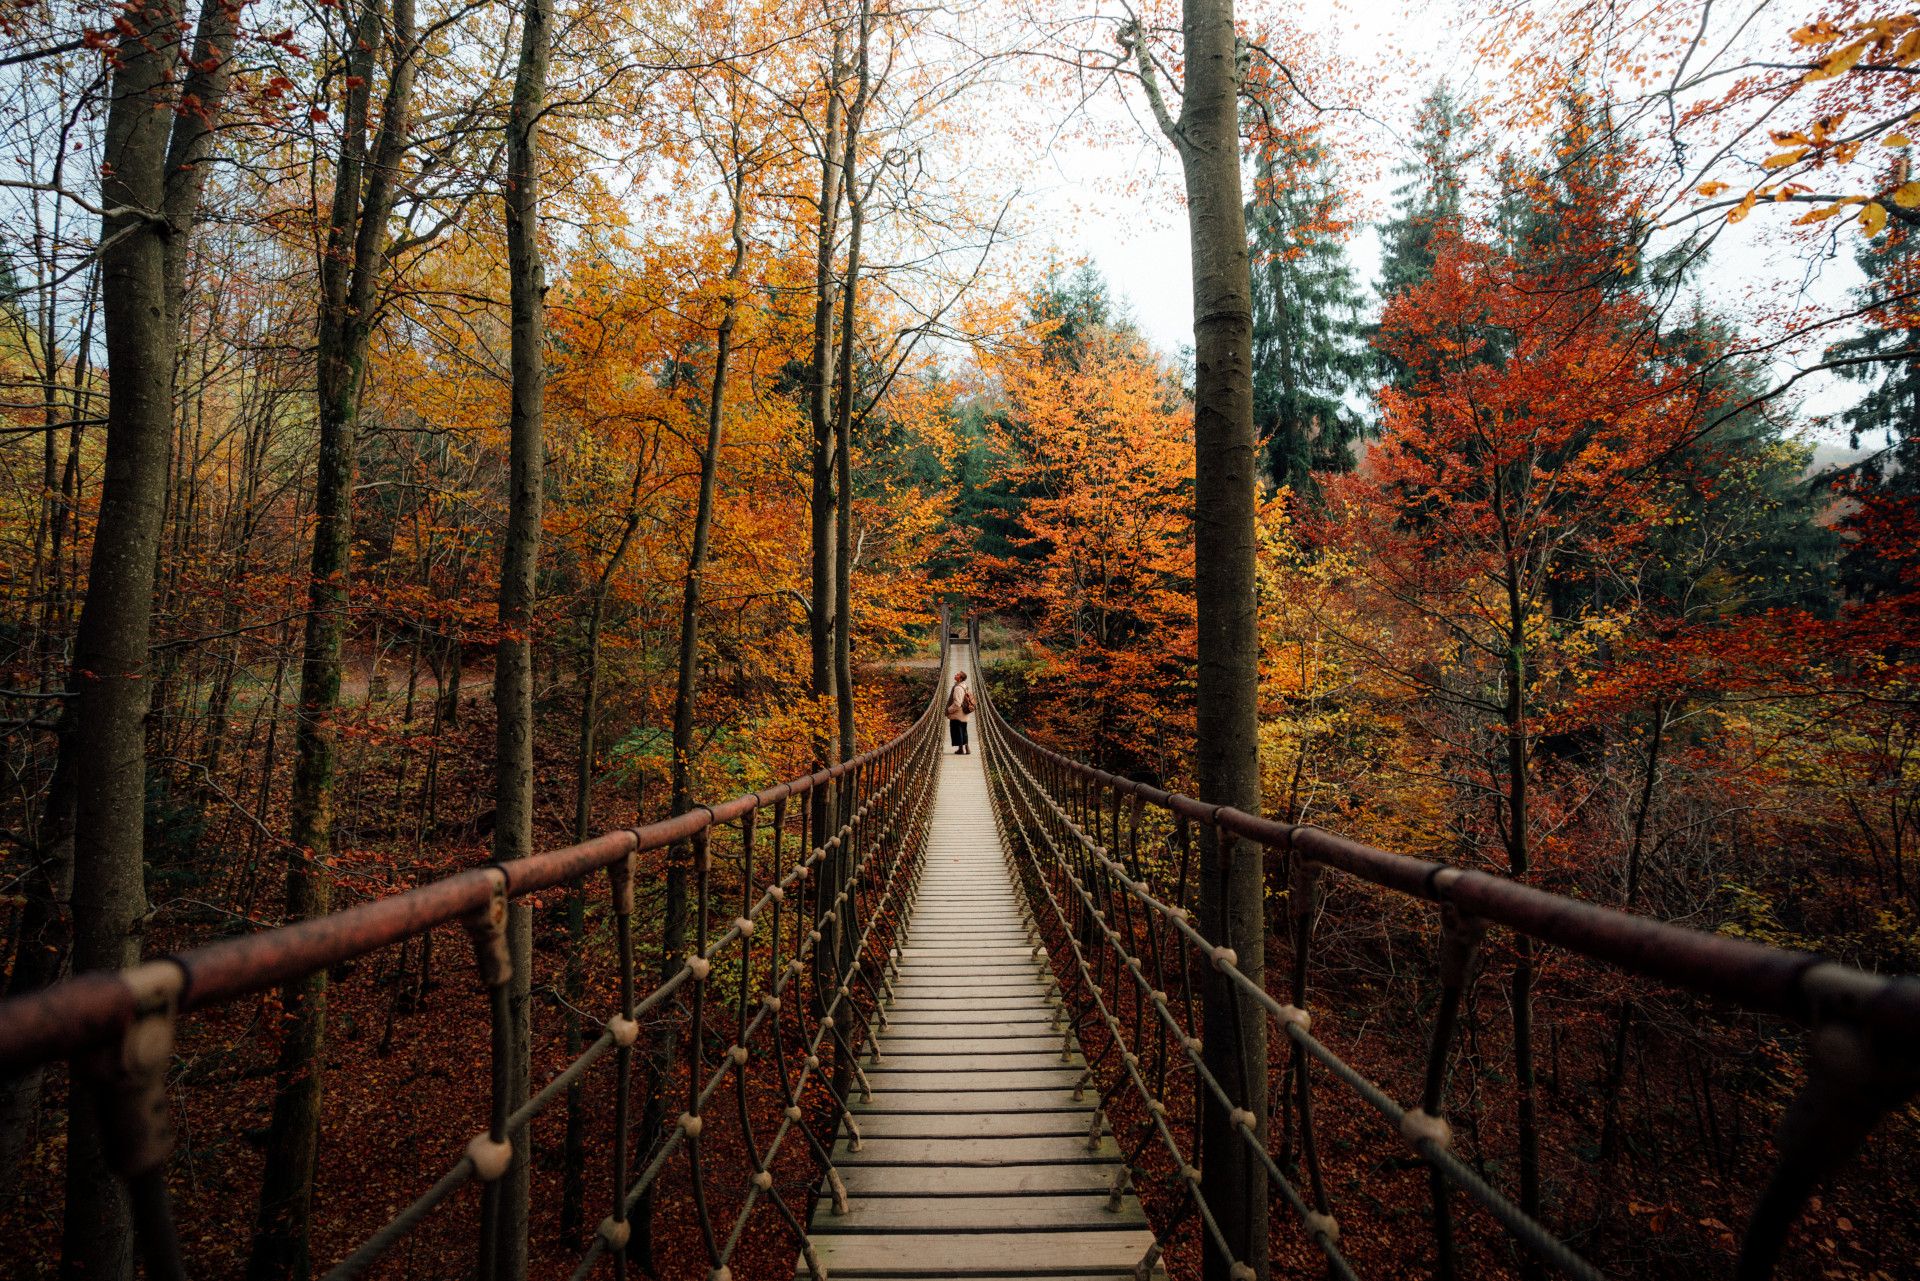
(974, 1159)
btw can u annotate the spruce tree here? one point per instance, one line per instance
(1308, 356)
(1428, 198)
(1748, 537)
(1887, 416)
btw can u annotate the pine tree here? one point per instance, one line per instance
(1075, 304)
(1308, 356)
(1888, 415)
(1428, 199)
(1747, 537)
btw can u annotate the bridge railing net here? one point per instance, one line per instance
(808, 949)
(1121, 933)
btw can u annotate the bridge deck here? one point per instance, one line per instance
(974, 1160)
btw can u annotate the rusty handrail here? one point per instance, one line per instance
(1119, 944)
(1796, 985)
(849, 896)
(93, 1010)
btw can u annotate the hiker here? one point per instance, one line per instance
(959, 712)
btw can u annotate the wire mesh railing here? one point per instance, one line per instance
(808, 949)
(1121, 933)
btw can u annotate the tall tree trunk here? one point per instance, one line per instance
(1227, 731)
(673, 931)
(824, 594)
(1519, 862)
(1630, 899)
(843, 408)
(108, 708)
(686, 688)
(353, 262)
(573, 1188)
(519, 563)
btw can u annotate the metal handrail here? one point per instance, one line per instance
(815, 1002)
(1862, 1059)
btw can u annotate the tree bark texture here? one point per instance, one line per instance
(1227, 761)
(109, 689)
(824, 594)
(843, 417)
(519, 563)
(352, 263)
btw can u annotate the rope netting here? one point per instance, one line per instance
(790, 972)
(1110, 869)
(790, 964)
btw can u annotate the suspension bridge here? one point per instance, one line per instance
(941, 1015)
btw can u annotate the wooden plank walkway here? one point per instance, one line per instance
(974, 1158)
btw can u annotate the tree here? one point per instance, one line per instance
(1493, 477)
(1428, 201)
(1069, 311)
(824, 592)
(1226, 462)
(1307, 355)
(1098, 435)
(504, 1257)
(105, 734)
(1885, 356)
(352, 264)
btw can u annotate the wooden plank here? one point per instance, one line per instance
(979, 932)
(958, 1101)
(1158, 1274)
(1063, 1253)
(992, 1036)
(985, 1213)
(1009, 924)
(986, 1041)
(953, 966)
(909, 951)
(979, 1125)
(947, 1153)
(964, 938)
(1017, 1009)
(1035, 997)
(980, 1062)
(972, 928)
(1034, 1022)
(976, 1180)
(962, 1006)
(1054, 1077)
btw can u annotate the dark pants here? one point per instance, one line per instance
(958, 731)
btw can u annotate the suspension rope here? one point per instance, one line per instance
(838, 958)
(1061, 822)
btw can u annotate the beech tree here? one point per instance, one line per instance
(150, 152)
(505, 1258)
(1096, 435)
(352, 264)
(1205, 133)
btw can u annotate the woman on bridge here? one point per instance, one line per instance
(959, 712)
